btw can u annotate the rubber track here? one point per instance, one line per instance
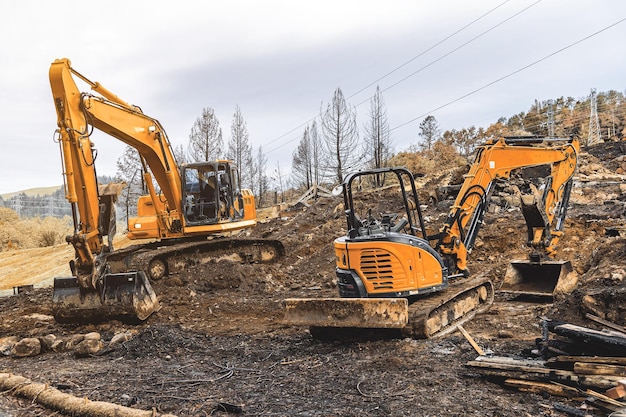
(421, 309)
(138, 257)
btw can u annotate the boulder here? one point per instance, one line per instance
(30, 346)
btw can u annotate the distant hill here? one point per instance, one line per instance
(33, 192)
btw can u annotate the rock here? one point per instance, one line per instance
(88, 347)
(120, 338)
(30, 346)
(591, 304)
(617, 276)
(58, 345)
(505, 334)
(174, 282)
(93, 336)
(6, 344)
(74, 341)
(47, 341)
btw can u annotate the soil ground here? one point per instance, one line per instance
(218, 345)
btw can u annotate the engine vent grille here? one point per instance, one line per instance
(381, 269)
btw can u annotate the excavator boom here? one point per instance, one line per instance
(93, 292)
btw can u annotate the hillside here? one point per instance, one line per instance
(218, 346)
(32, 192)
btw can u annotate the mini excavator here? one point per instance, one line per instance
(187, 207)
(392, 274)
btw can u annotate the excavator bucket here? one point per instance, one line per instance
(125, 295)
(381, 313)
(548, 279)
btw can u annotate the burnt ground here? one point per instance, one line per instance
(218, 347)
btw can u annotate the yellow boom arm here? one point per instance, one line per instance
(496, 160)
(77, 114)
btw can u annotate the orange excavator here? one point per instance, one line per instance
(392, 274)
(187, 207)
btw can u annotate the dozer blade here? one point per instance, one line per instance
(125, 296)
(382, 313)
(548, 279)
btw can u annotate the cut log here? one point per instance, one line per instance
(616, 392)
(599, 369)
(543, 387)
(54, 399)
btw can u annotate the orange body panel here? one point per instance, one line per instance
(385, 266)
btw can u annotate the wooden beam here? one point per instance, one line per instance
(535, 387)
(599, 369)
(471, 340)
(569, 360)
(606, 323)
(534, 370)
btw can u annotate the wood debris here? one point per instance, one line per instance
(577, 363)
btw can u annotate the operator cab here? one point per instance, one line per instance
(211, 193)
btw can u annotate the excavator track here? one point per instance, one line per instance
(162, 258)
(425, 318)
(438, 315)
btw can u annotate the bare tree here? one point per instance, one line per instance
(278, 178)
(302, 162)
(377, 139)
(180, 154)
(316, 152)
(205, 139)
(429, 131)
(129, 171)
(262, 181)
(239, 149)
(341, 136)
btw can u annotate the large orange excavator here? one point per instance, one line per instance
(392, 274)
(185, 208)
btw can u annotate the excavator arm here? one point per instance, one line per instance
(544, 212)
(78, 113)
(92, 288)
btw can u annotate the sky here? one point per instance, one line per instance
(467, 63)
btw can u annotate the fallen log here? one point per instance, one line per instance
(52, 398)
(609, 343)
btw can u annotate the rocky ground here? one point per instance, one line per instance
(218, 347)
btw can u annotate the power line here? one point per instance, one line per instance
(508, 75)
(428, 49)
(455, 49)
(403, 65)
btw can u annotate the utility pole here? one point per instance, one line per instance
(551, 118)
(594, 124)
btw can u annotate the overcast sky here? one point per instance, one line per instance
(281, 60)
